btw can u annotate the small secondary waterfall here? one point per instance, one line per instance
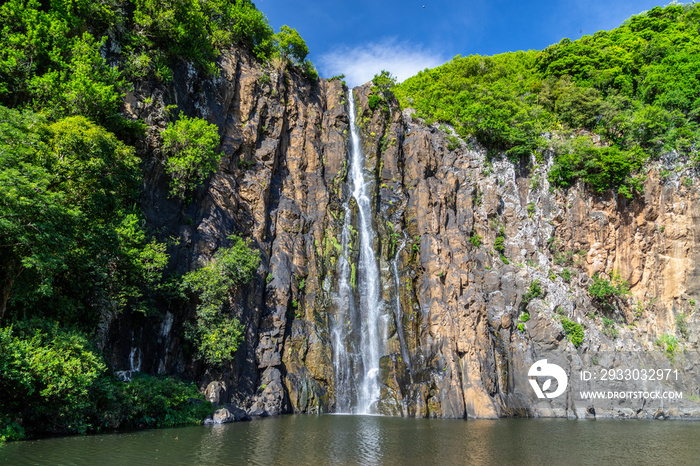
(358, 331)
(397, 305)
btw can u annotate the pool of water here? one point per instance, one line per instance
(335, 439)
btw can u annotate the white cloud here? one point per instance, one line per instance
(359, 64)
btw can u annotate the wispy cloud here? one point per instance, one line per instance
(359, 64)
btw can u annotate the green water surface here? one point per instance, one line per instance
(336, 439)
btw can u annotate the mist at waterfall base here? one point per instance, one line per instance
(329, 439)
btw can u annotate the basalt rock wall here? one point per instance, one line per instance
(459, 343)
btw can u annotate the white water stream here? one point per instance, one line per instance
(356, 360)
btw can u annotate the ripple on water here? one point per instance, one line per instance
(347, 440)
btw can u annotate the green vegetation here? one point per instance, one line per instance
(605, 293)
(524, 317)
(682, 325)
(381, 91)
(635, 87)
(75, 245)
(190, 144)
(71, 239)
(573, 331)
(290, 45)
(531, 210)
(535, 291)
(499, 242)
(475, 240)
(609, 328)
(565, 275)
(668, 343)
(521, 327)
(55, 382)
(216, 335)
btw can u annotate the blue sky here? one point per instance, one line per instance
(360, 38)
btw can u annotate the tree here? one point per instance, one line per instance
(215, 334)
(86, 85)
(67, 244)
(35, 221)
(289, 44)
(191, 157)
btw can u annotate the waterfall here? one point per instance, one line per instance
(357, 330)
(398, 315)
(342, 324)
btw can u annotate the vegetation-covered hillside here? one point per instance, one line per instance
(73, 241)
(626, 96)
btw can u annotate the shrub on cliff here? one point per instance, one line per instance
(606, 292)
(215, 334)
(69, 239)
(573, 331)
(190, 145)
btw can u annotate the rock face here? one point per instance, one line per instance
(460, 343)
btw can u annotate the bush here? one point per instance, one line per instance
(524, 317)
(215, 335)
(475, 240)
(190, 144)
(147, 401)
(565, 275)
(668, 343)
(48, 374)
(535, 291)
(573, 331)
(606, 292)
(309, 70)
(374, 101)
(55, 382)
(498, 244)
(601, 168)
(452, 142)
(531, 210)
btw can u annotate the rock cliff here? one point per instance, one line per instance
(465, 324)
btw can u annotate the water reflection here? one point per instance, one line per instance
(367, 440)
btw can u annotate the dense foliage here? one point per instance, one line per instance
(67, 191)
(636, 88)
(191, 156)
(574, 332)
(55, 382)
(215, 334)
(74, 242)
(605, 293)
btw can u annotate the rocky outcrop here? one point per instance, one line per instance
(460, 344)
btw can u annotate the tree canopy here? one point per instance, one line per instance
(637, 87)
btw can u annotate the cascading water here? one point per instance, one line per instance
(397, 304)
(342, 325)
(358, 330)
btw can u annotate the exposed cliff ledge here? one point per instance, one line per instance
(457, 351)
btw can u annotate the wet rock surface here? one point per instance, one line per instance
(459, 343)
